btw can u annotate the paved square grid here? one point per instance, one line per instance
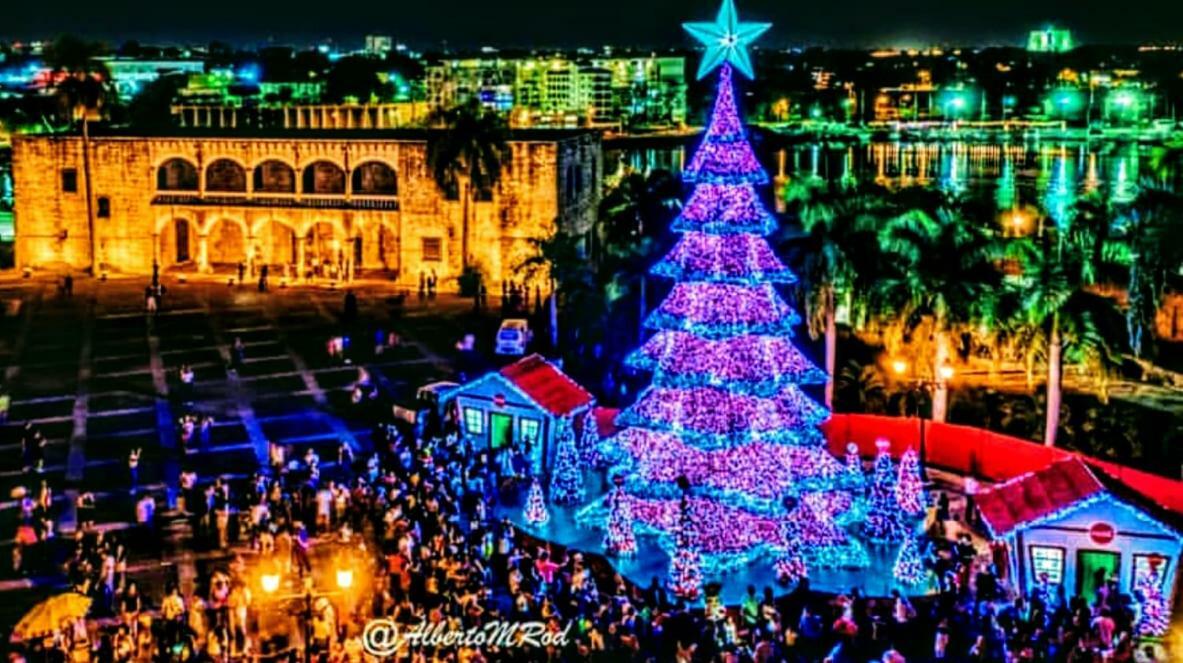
(98, 379)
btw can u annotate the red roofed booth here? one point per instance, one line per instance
(521, 405)
(1063, 523)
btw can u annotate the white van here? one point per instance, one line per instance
(513, 337)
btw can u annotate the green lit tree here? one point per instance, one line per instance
(834, 251)
(941, 273)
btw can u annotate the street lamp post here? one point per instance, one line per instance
(271, 581)
(915, 387)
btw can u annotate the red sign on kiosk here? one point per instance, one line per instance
(499, 400)
(1102, 533)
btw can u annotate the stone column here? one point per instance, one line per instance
(156, 248)
(300, 271)
(203, 253)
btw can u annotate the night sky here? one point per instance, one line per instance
(567, 23)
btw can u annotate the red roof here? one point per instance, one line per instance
(546, 385)
(1034, 495)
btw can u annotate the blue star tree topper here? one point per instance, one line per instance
(726, 40)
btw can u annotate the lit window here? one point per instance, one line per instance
(474, 421)
(432, 250)
(1142, 565)
(528, 430)
(1049, 560)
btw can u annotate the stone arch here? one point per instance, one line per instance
(375, 178)
(324, 177)
(326, 247)
(226, 241)
(380, 245)
(177, 174)
(275, 242)
(274, 176)
(225, 175)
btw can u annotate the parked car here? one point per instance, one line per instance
(513, 337)
(427, 409)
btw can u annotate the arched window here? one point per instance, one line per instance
(374, 178)
(176, 175)
(225, 175)
(275, 176)
(324, 177)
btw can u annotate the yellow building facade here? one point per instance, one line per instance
(332, 203)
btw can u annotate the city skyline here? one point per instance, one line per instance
(535, 24)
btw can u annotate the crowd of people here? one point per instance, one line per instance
(418, 521)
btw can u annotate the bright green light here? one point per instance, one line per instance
(815, 112)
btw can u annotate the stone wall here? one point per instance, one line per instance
(549, 184)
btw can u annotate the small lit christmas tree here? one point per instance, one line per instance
(589, 441)
(620, 540)
(536, 512)
(686, 567)
(853, 466)
(885, 521)
(909, 488)
(566, 479)
(909, 569)
(1154, 615)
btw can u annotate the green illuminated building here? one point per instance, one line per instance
(1050, 40)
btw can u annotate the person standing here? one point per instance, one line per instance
(133, 470)
(241, 271)
(263, 278)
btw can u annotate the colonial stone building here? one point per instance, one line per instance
(324, 202)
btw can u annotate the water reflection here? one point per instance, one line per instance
(1048, 175)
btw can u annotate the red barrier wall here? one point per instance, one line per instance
(983, 453)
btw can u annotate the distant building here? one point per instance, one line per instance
(1050, 40)
(129, 76)
(327, 202)
(563, 91)
(379, 45)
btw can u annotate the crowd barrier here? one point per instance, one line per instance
(982, 453)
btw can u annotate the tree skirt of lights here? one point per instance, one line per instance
(763, 474)
(730, 538)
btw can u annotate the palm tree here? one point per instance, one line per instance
(467, 158)
(941, 273)
(562, 261)
(1055, 303)
(1151, 228)
(81, 83)
(633, 219)
(834, 252)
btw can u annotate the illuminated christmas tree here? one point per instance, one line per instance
(536, 512)
(1154, 614)
(620, 539)
(909, 488)
(909, 569)
(885, 518)
(589, 441)
(686, 567)
(725, 409)
(566, 479)
(853, 465)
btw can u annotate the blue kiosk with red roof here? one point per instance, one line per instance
(1064, 523)
(520, 405)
